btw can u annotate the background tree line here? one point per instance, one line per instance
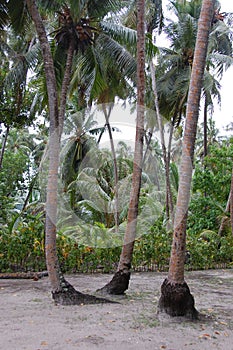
(82, 56)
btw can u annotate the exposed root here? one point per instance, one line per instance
(118, 285)
(176, 300)
(70, 296)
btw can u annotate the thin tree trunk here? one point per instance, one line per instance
(176, 298)
(100, 135)
(205, 128)
(224, 220)
(169, 202)
(54, 149)
(148, 142)
(205, 132)
(32, 183)
(120, 281)
(4, 146)
(62, 291)
(116, 212)
(231, 202)
(65, 87)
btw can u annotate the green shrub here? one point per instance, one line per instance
(22, 249)
(153, 249)
(22, 246)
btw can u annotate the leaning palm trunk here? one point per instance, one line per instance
(231, 202)
(62, 291)
(166, 159)
(120, 281)
(225, 219)
(107, 124)
(176, 298)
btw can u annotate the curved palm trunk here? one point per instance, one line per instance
(176, 298)
(231, 202)
(30, 189)
(54, 145)
(225, 218)
(148, 142)
(120, 281)
(107, 124)
(205, 129)
(166, 159)
(62, 291)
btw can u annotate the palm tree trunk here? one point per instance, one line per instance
(176, 298)
(30, 189)
(62, 291)
(65, 86)
(166, 159)
(54, 149)
(148, 142)
(120, 281)
(107, 124)
(225, 218)
(231, 202)
(205, 121)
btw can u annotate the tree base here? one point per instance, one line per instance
(176, 300)
(118, 285)
(70, 296)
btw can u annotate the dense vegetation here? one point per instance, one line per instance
(89, 237)
(22, 227)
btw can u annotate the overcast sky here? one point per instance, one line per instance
(222, 115)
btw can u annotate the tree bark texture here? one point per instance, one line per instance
(62, 291)
(119, 283)
(107, 124)
(175, 278)
(54, 149)
(176, 300)
(169, 201)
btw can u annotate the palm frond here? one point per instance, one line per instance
(120, 33)
(3, 15)
(101, 8)
(18, 15)
(111, 50)
(220, 62)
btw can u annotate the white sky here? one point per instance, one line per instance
(223, 115)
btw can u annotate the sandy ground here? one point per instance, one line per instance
(29, 320)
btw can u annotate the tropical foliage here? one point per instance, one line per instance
(104, 71)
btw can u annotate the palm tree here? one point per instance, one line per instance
(94, 205)
(120, 281)
(219, 58)
(77, 33)
(176, 62)
(116, 87)
(176, 298)
(17, 56)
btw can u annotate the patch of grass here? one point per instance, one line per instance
(36, 300)
(145, 321)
